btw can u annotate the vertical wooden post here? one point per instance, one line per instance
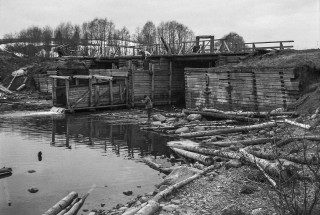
(111, 92)
(170, 82)
(255, 91)
(152, 82)
(121, 92)
(53, 134)
(77, 81)
(130, 64)
(127, 90)
(96, 95)
(54, 92)
(90, 92)
(211, 44)
(67, 93)
(203, 47)
(132, 86)
(197, 41)
(184, 48)
(67, 132)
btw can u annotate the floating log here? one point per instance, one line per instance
(229, 130)
(305, 126)
(69, 206)
(76, 207)
(222, 116)
(206, 160)
(63, 203)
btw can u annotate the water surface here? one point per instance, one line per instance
(78, 152)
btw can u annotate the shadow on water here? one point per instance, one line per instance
(75, 151)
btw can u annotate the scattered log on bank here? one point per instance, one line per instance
(222, 116)
(305, 126)
(229, 130)
(206, 160)
(206, 151)
(156, 166)
(310, 160)
(285, 169)
(256, 141)
(254, 114)
(62, 204)
(153, 205)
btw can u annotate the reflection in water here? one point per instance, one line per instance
(121, 139)
(40, 156)
(79, 151)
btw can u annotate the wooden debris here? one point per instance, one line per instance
(253, 114)
(206, 160)
(63, 203)
(153, 204)
(222, 116)
(305, 126)
(255, 141)
(230, 130)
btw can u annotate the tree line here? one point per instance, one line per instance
(95, 37)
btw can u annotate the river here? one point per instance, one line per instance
(79, 151)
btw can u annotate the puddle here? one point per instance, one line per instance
(77, 152)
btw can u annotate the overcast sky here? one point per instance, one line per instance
(255, 20)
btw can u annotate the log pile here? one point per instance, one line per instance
(279, 146)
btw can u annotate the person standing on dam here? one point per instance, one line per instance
(148, 106)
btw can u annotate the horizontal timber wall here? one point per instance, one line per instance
(232, 88)
(161, 79)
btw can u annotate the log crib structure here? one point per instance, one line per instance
(91, 91)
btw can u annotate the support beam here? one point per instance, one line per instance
(152, 82)
(170, 82)
(90, 93)
(67, 93)
(111, 92)
(54, 93)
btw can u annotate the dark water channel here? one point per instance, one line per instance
(78, 152)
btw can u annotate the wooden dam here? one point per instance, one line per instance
(202, 76)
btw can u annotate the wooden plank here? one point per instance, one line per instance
(54, 93)
(67, 93)
(90, 93)
(111, 92)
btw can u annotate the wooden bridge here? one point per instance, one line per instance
(202, 45)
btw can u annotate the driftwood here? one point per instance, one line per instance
(211, 152)
(69, 206)
(230, 130)
(156, 166)
(256, 141)
(305, 126)
(76, 207)
(222, 116)
(282, 169)
(293, 158)
(206, 160)
(153, 204)
(253, 114)
(63, 203)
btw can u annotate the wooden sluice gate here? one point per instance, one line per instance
(90, 91)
